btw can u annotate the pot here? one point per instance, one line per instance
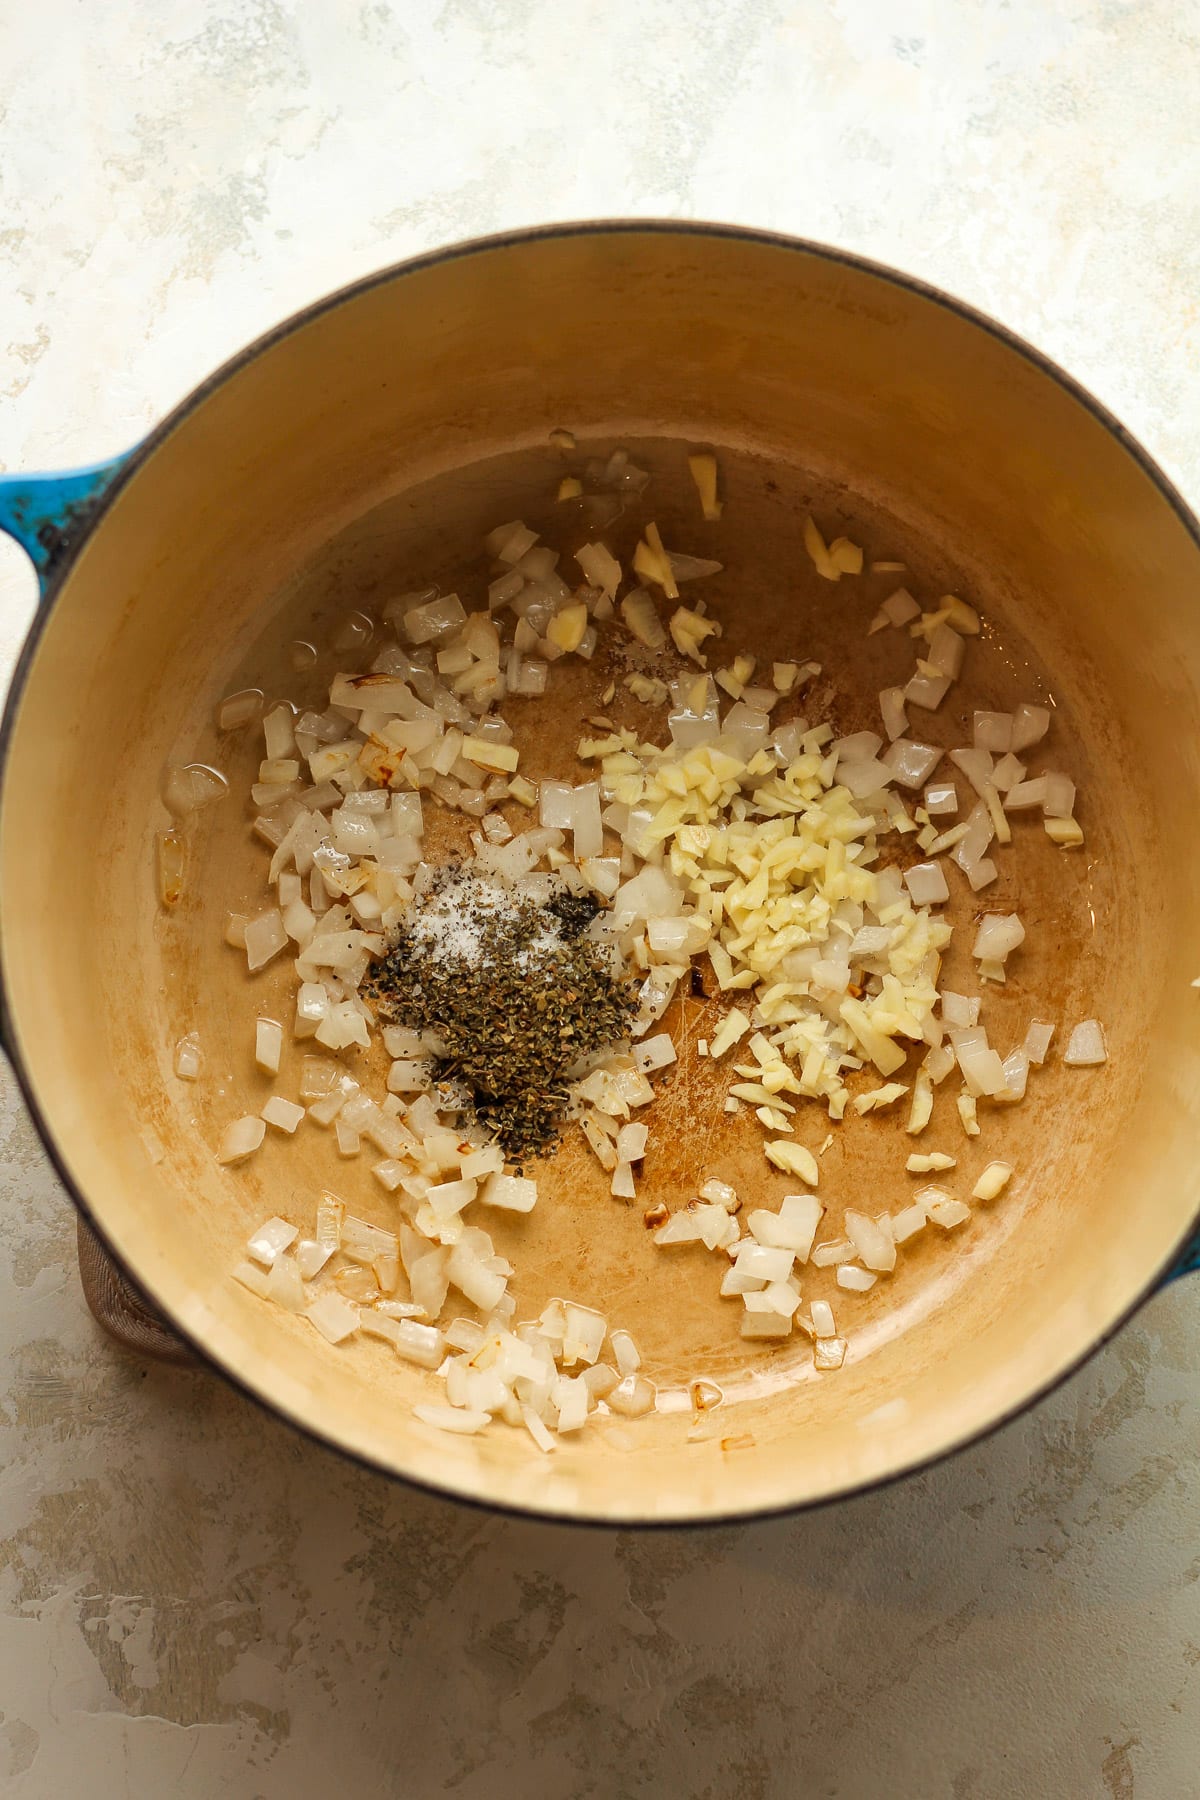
(363, 448)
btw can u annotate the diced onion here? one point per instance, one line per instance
(655, 1053)
(283, 1114)
(187, 790)
(1025, 794)
(998, 934)
(993, 732)
(982, 1068)
(959, 1010)
(828, 1256)
(265, 938)
(899, 608)
(462, 1419)
(239, 709)
(1059, 796)
(585, 820)
(1030, 725)
(977, 765)
(1086, 1046)
(927, 691)
(946, 649)
(907, 1222)
(600, 568)
(941, 798)
(822, 1317)
(895, 718)
(872, 1243)
(911, 764)
(926, 882)
(268, 1045)
(271, 1239)
(633, 1396)
(512, 1192)
(948, 1213)
(241, 1139)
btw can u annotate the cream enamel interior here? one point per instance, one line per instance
(366, 449)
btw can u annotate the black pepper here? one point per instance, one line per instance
(513, 1017)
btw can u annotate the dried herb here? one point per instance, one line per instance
(532, 998)
(574, 912)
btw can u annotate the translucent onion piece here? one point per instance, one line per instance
(283, 1114)
(948, 1213)
(588, 831)
(997, 936)
(1086, 1046)
(911, 764)
(899, 608)
(1059, 800)
(241, 1139)
(941, 798)
(511, 1192)
(891, 707)
(187, 789)
(926, 882)
(239, 709)
(1030, 725)
(1025, 794)
(461, 1419)
(268, 1045)
(874, 1246)
(927, 691)
(265, 938)
(976, 764)
(946, 651)
(271, 1239)
(600, 568)
(993, 732)
(633, 1396)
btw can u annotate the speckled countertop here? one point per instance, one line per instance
(195, 1603)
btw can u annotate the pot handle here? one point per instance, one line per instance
(48, 515)
(1185, 1263)
(118, 1307)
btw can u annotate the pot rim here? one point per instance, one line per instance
(461, 250)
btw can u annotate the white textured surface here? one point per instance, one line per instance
(192, 1601)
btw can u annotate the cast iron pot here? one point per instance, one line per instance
(363, 448)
